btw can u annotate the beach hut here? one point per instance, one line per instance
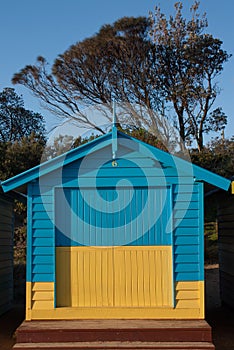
(6, 252)
(115, 231)
(7, 220)
(226, 245)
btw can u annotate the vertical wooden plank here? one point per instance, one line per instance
(109, 281)
(139, 228)
(105, 278)
(117, 278)
(153, 232)
(122, 281)
(158, 280)
(86, 217)
(80, 218)
(120, 293)
(128, 286)
(153, 267)
(86, 278)
(111, 278)
(80, 297)
(74, 279)
(164, 278)
(91, 277)
(146, 277)
(140, 278)
(95, 239)
(146, 230)
(74, 211)
(134, 280)
(98, 278)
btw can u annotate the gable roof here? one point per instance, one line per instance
(163, 157)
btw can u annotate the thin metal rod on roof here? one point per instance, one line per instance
(114, 132)
(113, 113)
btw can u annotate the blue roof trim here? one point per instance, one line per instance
(184, 166)
(200, 174)
(55, 163)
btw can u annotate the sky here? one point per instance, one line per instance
(47, 28)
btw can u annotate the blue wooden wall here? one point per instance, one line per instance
(184, 198)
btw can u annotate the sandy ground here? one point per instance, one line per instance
(219, 317)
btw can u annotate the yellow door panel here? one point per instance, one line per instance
(127, 276)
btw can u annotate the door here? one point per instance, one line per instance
(113, 248)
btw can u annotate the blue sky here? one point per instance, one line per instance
(31, 28)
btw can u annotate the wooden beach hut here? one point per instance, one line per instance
(6, 251)
(226, 245)
(115, 231)
(7, 221)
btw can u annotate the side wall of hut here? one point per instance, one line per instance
(226, 248)
(6, 253)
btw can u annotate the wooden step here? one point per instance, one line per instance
(116, 345)
(114, 330)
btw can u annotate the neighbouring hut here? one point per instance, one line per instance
(6, 251)
(226, 245)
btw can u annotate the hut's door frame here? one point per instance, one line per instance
(101, 281)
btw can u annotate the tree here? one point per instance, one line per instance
(17, 122)
(188, 61)
(172, 70)
(116, 63)
(217, 156)
(60, 145)
(20, 155)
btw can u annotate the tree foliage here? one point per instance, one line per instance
(158, 69)
(116, 63)
(217, 156)
(17, 122)
(60, 145)
(20, 155)
(188, 62)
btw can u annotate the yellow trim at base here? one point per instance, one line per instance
(28, 301)
(189, 305)
(116, 313)
(39, 296)
(232, 187)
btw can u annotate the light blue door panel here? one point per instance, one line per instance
(112, 217)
